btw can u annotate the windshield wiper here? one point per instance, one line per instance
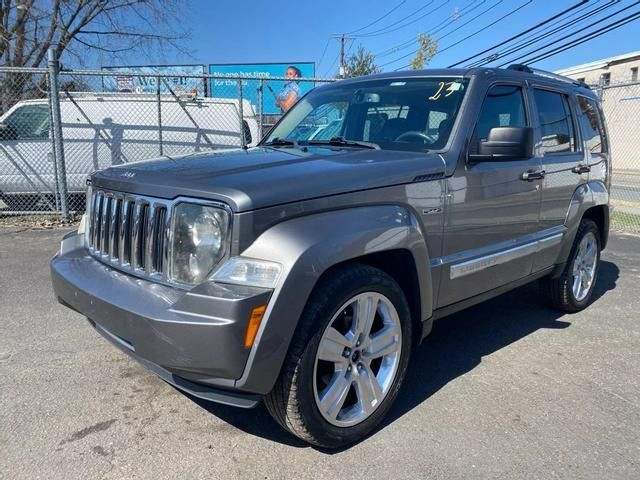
(282, 142)
(343, 142)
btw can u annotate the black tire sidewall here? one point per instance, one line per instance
(325, 432)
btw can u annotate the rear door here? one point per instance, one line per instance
(491, 217)
(561, 155)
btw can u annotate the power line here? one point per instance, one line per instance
(385, 30)
(447, 34)
(335, 60)
(409, 42)
(586, 38)
(326, 45)
(378, 19)
(534, 27)
(485, 27)
(570, 34)
(632, 16)
(542, 36)
(560, 20)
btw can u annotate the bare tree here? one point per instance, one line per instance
(110, 28)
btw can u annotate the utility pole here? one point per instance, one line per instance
(342, 37)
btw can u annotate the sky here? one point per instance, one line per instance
(254, 31)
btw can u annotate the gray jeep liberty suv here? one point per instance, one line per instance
(302, 272)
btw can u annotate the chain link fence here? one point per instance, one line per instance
(56, 128)
(621, 106)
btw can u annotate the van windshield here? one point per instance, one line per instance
(414, 114)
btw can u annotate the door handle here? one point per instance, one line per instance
(532, 175)
(581, 169)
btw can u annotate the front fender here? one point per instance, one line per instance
(307, 247)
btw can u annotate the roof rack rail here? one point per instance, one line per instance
(543, 73)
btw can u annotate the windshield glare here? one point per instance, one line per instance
(408, 114)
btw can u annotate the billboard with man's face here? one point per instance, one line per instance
(277, 95)
(173, 79)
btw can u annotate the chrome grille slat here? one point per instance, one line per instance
(95, 215)
(150, 238)
(136, 235)
(113, 226)
(104, 234)
(123, 233)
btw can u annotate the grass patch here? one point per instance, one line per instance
(37, 221)
(624, 221)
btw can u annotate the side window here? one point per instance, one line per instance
(29, 122)
(591, 123)
(556, 124)
(502, 107)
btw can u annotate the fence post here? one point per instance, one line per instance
(243, 142)
(159, 115)
(260, 99)
(56, 121)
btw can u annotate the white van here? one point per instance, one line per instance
(104, 129)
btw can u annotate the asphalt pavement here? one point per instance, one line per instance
(507, 389)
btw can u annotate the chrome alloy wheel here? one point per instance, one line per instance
(357, 359)
(584, 266)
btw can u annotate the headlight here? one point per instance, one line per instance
(199, 241)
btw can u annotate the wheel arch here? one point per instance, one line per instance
(589, 200)
(400, 265)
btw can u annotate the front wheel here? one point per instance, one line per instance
(573, 289)
(347, 359)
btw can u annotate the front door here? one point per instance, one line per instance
(491, 217)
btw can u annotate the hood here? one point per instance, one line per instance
(263, 177)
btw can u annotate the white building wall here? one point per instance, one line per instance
(620, 102)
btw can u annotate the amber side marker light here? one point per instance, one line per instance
(254, 323)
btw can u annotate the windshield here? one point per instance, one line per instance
(408, 114)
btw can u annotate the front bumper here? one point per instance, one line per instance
(192, 339)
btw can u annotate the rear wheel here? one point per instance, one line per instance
(347, 359)
(573, 289)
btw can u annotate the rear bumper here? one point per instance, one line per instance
(191, 339)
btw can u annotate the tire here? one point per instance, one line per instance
(305, 378)
(561, 292)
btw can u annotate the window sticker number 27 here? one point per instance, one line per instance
(445, 89)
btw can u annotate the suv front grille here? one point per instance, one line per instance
(130, 232)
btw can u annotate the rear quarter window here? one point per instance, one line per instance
(591, 125)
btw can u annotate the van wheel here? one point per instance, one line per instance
(347, 359)
(572, 290)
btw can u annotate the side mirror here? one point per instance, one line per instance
(505, 143)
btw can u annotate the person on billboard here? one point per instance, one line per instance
(290, 92)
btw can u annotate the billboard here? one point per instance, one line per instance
(277, 96)
(173, 79)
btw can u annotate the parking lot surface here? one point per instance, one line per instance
(507, 389)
